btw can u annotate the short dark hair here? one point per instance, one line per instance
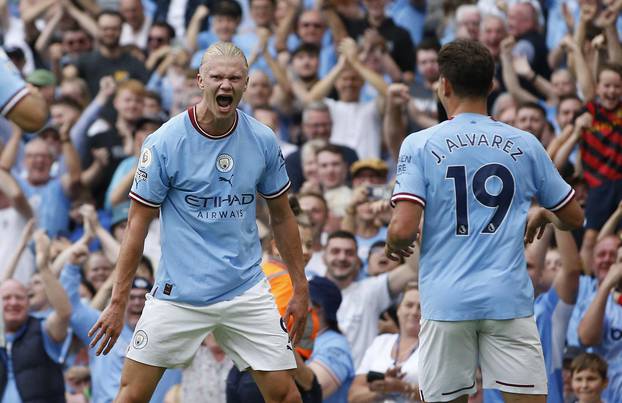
(342, 235)
(250, 2)
(228, 8)
(615, 67)
(154, 95)
(65, 100)
(468, 66)
(331, 148)
(163, 24)
(428, 43)
(532, 105)
(307, 48)
(108, 11)
(567, 97)
(589, 361)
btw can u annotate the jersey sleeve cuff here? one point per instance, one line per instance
(407, 197)
(13, 100)
(278, 193)
(563, 201)
(144, 201)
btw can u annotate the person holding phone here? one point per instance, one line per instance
(388, 371)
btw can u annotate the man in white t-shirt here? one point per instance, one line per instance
(355, 124)
(14, 215)
(362, 301)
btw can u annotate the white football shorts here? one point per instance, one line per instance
(508, 352)
(248, 328)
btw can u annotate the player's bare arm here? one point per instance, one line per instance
(107, 329)
(287, 237)
(403, 229)
(569, 217)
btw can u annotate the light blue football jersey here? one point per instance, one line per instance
(611, 350)
(206, 187)
(476, 178)
(12, 86)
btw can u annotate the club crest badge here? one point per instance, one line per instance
(145, 158)
(224, 163)
(140, 340)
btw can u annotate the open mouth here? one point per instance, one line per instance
(224, 101)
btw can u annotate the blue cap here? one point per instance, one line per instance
(326, 294)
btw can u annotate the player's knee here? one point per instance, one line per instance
(284, 393)
(292, 396)
(131, 394)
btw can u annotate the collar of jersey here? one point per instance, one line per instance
(192, 113)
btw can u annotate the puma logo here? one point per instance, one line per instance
(223, 179)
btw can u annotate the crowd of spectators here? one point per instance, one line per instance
(341, 83)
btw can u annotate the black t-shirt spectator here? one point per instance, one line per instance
(111, 141)
(399, 43)
(93, 66)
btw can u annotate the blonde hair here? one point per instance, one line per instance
(226, 49)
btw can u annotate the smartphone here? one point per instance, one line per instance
(375, 376)
(378, 192)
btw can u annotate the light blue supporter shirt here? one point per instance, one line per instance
(587, 291)
(56, 352)
(105, 369)
(12, 86)
(610, 349)
(49, 203)
(331, 350)
(476, 179)
(206, 187)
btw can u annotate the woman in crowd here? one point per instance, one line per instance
(388, 371)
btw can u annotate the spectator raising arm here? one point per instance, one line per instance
(11, 265)
(584, 75)
(566, 281)
(43, 41)
(11, 148)
(592, 325)
(332, 18)
(70, 180)
(586, 16)
(611, 224)
(83, 19)
(394, 120)
(510, 78)
(286, 24)
(57, 324)
(581, 123)
(607, 21)
(10, 188)
(31, 10)
(322, 88)
(350, 50)
(78, 132)
(559, 141)
(194, 26)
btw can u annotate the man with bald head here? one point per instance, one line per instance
(48, 196)
(491, 33)
(31, 369)
(135, 29)
(523, 26)
(209, 278)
